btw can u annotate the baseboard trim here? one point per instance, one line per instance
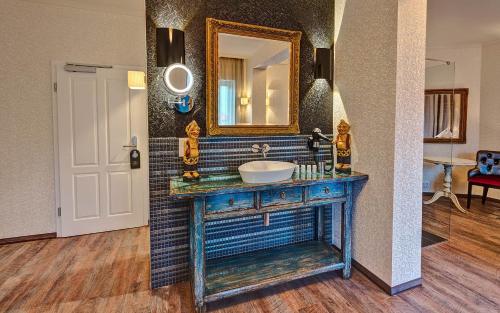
(6, 241)
(383, 285)
(406, 286)
(461, 195)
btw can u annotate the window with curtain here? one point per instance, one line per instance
(442, 116)
(231, 89)
(227, 102)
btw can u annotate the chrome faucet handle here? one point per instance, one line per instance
(255, 148)
(265, 149)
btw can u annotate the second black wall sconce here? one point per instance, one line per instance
(323, 64)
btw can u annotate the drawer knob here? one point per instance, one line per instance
(283, 195)
(326, 190)
(231, 201)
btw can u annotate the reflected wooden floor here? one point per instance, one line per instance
(429, 239)
(109, 272)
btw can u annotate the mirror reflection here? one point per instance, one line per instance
(178, 79)
(253, 81)
(445, 115)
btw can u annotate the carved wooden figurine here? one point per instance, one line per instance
(343, 144)
(191, 152)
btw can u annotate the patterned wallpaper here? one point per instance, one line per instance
(314, 18)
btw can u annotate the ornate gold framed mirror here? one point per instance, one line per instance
(252, 79)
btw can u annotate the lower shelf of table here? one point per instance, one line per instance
(233, 275)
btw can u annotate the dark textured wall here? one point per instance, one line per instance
(314, 18)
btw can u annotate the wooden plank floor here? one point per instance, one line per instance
(109, 272)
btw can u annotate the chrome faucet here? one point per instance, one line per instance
(264, 149)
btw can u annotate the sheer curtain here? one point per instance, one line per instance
(231, 88)
(439, 116)
(226, 105)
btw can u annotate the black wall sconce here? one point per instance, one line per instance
(177, 77)
(323, 64)
(169, 47)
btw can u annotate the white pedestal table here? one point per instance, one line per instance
(448, 163)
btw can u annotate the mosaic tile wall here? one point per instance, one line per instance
(246, 234)
(169, 218)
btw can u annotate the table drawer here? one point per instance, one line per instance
(230, 202)
(326, 191)
(281, 196)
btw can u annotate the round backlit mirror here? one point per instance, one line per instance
(178, 79)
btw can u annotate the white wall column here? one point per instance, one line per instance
(379, 76)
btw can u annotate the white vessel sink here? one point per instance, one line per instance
(261, 172)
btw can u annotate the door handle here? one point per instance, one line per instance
(133, 140)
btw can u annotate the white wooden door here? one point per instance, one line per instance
(98, 115)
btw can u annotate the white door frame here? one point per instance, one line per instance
(55, 65)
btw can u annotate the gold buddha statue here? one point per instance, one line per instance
(191, 152)
(343, 144)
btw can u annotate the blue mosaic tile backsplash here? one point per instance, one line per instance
(169, 218)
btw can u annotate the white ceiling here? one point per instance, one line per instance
(462, 22)
(127, 7)
(239, 47)
(449, 22)
(247, 47)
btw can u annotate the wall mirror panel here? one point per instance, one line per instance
(445, 115)
(252, 79)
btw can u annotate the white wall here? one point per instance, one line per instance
(467, 75)
(379, 76)
(259, 96)
(490, 98)
(31, 36)
(277, 88)
(489, 138)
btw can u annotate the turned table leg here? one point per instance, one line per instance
(447, 188)
(446, 185)
(446, 191)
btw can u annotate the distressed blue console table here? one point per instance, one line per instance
(227, 196)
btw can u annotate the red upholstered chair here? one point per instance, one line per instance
(485, 174)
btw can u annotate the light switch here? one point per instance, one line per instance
(181, 146)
